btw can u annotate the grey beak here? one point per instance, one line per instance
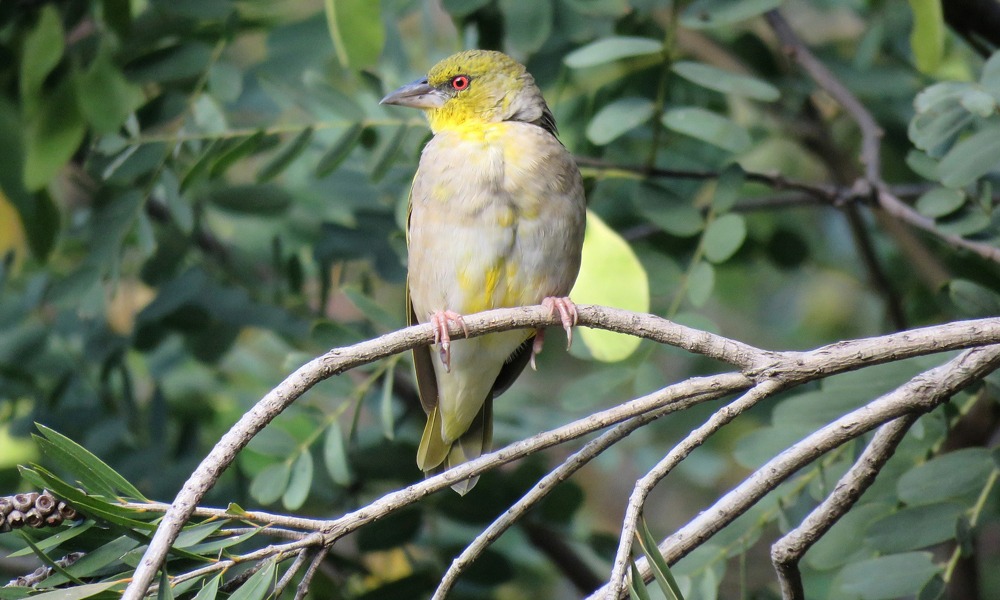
(418, 94)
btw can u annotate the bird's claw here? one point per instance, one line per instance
(439, 323)
(567, 314)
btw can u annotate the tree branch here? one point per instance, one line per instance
(788, 551)
(788, 368)
(921, 394)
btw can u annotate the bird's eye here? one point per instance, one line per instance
(460, 82)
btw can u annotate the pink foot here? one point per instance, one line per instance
(567, 313)
(439, 321)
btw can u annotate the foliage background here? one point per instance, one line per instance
(199, 195)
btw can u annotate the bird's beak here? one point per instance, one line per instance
(418, 94)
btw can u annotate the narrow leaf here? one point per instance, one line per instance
(708, 127)
(91, 463)
(339, 151)
(356, 31)
(285, 156)
(335, 456)
(299, 482)
(659, 566)
(618, 118)
(927, 37)
(257, 586)
(726, 82)
(610, 49)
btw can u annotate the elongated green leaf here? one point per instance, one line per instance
(356, 31)
(81, 591)
(237, 151)
(213, 546)
(971, 158)
(335, 456)
(84, 461)
(257, 586)
(299, 482)
(285, 156)
(706, 14)
(708, 127)
(617, 118)
(42, 51)
(96, 560)
(90, 505)
(386, 153)
(973, 299)
(211, 589)
(339, 151)
(636, 586)
(54, 133)
(727, 188)
(54, 540)
(927, 37)
(726, 82)
(659, 566)
(913, 528)
(258, 199)
(106, 97)
(610, 275)
(194, 534)
(610, 49)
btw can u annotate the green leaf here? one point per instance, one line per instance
(79, 592)
(727, 188)
(55, 540)
(723, 237)
(356, 31)
(42, 51)
(610, 49)
(285, 156)
(971, 158)
(263, 199)
(257, 586)
(53, 134)
(610, 275)
(79, 461)
(386, 154)
(973, 299)
(210, 590)
(271, 483)
(706, 14)
(529, 24)
(700, 283)
(617, 118)
(636, 586)
(940, 201)
(708, 127)
(236, 151)
(978, 102)
(106, 97)
(335, 456)
(913, 528)
(952, 475)
(659, 566)
(96, 560)
(990, 77)
(840, 545)
(668, 211)
(927, 37)
(885, 577)
(340, 150)
(299, 482)
(726, 82)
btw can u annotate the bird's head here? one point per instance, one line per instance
(474, 87)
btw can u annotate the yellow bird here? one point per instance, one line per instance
(496, 219)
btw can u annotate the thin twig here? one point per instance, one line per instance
(921, 394)
(788, 551)
(545, 485)
(303, 587)
(871, 141)
(679, 452)
(788, 367)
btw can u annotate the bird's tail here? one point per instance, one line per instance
(435, 454)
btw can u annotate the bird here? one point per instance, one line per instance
(496, 219)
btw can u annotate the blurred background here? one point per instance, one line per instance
(197, 196)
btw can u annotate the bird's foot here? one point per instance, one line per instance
(439, 322)
(567, 314)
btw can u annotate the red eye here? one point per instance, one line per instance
(460, 82)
